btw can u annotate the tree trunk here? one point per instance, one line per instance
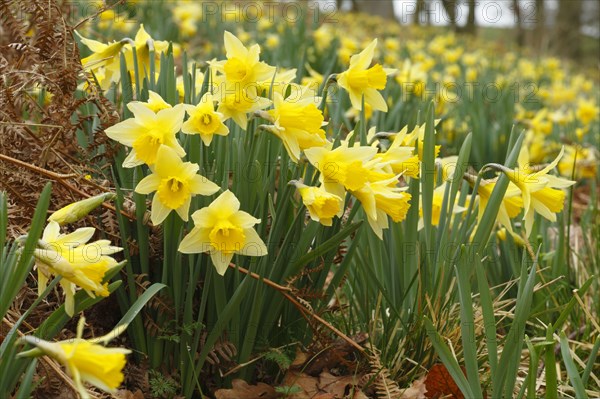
(450, 7)
(519, 24)
(470, 27)
(568, 26)
(540, 23)
(382, 8)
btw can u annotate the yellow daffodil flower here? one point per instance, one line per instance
(322, 206)
(86, 361)
(540, 191)
(147, 131)
(587, 111)
(342, 168)
(80, 264)
(243, 65)
(175, 182)
(400, 160)
(381, 199)
(187, 16)
(361, 80)
(297, 120)
(222, 230)
(102, 54)
(204, 120)
(236, 102)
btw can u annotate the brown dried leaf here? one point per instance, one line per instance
(307, 383)
(416, 390)
(242, 390)
(440, 384)
(337, 386)
(126, 394)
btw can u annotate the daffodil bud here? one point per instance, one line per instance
(77, 210)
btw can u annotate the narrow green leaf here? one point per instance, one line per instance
(27, 384)
(327, 246)
(489, 319)
(467, 327)
(572, 372)
(488, 220)
(550, 365)
(14, 281)
(591, 361)
(445, 354)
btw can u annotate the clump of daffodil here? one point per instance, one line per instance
(360, 80)
(222, 230)
(147, 131)
(297, 120)
(541, 192)
(86, 361)
(240, 80)
(322, 206)
(175, 182)
(79, 263)
(77, 210)
(204, 120)
(357, 170)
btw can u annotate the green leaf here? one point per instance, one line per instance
(427, 175)
(445, 354)
(140, 302)
(572, 372)
(13, 275)
(468, 323)
(329, 245)
(550, 365)
(508, 366)
(27, 384)
(488, 220)
(489, 319)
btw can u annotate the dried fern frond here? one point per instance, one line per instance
(380, 378)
